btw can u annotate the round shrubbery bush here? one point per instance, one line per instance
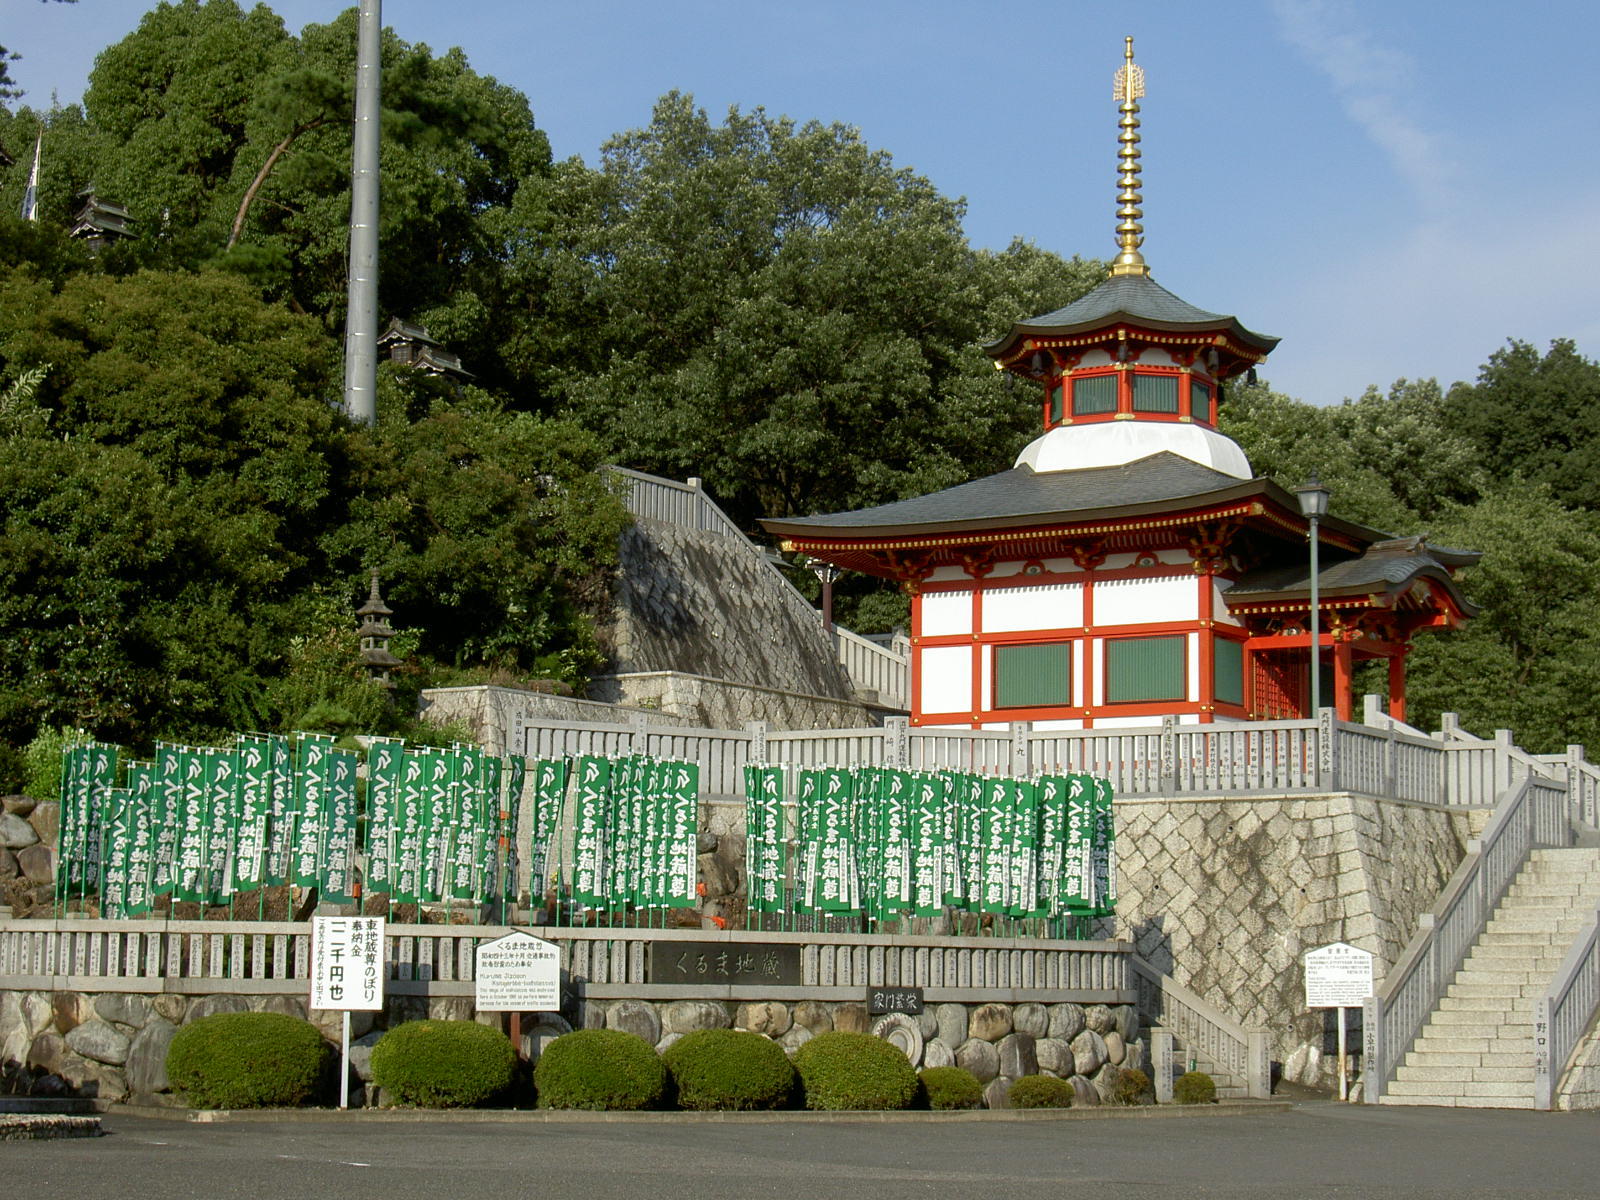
(1133, 1085)
(729, 1069)
(249, 1060)
(950, 1087)
(854, 1071)
(1041, 1091)
(1194, 1087)
(443, 1064)
(602, 1069)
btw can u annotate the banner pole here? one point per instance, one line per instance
(344, 1074)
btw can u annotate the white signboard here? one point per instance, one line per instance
(1338, 976)
(347, 963)
(518, 973)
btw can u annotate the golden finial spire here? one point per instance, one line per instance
(1130, 234)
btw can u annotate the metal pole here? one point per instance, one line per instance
(361, 318)
(1316, 654)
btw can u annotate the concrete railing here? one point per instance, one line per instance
(257, 958)
(1533, 813)
(1262, 758)
(1565, 1013)
(879, 671)
(1240, 1052)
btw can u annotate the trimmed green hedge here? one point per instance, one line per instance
(949, 1088)
(1194, 1087)
(729, 1069)
(604, 1069)
(1042, 1091)
(249, 1060)
(854, 1071)
(443, 1064)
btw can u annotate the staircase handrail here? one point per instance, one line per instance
(1531, 813)
(1240, 1051)
(1565, 1012)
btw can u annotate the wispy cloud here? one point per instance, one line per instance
(1375, 84)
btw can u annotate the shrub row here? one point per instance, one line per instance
(239, 1060)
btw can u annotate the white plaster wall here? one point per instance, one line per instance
(946, 679)
(1046, 606)
(1219, 608)
(1191, 649)
(946, 613)
(1143, 601)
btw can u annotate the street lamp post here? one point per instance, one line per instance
(826, 574)
(1313, 506)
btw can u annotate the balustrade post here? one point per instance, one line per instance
(1258, 1070)
(1373, 1069)
(1390, 770)
(1019, 748)
(1169, 760)
(640, 732)
(758, 740)
(897, 741)
(1327, 751)
(1503, 765)
(1543, 1074)
(1161, 1063)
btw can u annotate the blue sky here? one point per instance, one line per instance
(1394, 187)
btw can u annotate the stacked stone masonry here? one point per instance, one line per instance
(1227, 896)
(113, 1046)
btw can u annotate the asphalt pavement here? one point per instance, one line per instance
(1313, 1149)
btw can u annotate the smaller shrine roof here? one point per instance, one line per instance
(1392, 567)
(1139, 300)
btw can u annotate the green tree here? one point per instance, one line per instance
(782, 311)
(1536, 415)
(1529, 660)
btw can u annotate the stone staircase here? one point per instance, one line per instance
(1476, 1051)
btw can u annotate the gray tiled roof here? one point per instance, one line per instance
(1380, 567)
(1139, 298)
(1021, 493)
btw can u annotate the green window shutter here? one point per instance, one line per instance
(1155, 393)
(1055, 403)
(1146, 669)
(1033, 675)
(1096, 394)
(1227, 670)
(1199, 400)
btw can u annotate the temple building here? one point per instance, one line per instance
(1131, 566)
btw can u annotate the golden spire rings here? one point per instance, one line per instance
(1130, 234)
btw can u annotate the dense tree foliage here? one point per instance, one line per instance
(186, 519)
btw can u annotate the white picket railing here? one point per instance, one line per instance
(263, 958)
(1564, 1014)
(874, 669)
(1240, 1052)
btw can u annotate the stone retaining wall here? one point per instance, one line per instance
(113, 1045)
(1226, 896)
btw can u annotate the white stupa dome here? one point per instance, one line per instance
(1114, 443)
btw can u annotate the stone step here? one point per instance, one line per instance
(1495, 1003)
(1477, 1043)
(1509, 1089)
(1515, 922)
(1466, 988)
(1483, 1060)
(1465, 1075)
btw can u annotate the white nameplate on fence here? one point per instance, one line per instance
(518, 973)
(347, 963)
(1338, 976)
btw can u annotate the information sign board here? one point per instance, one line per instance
(1338, 976)
(347, 963)
(518, 973)
(906, 1000)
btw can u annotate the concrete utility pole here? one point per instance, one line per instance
(361, 318)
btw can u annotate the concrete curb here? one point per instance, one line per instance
(356, 1116)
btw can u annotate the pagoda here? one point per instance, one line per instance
(1131, 567)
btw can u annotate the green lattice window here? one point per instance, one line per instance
(1227, 671)
(1199, 400)
(1155, 394)
(1096, 394)
(1152, 668)
(1055, 403)
(1033, 675)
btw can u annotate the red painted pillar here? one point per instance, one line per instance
(1342, 663)
(1397, 687)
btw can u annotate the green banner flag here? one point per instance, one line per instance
(466, 810)
(313, 770)
(928, 862)
(338, 859)
(385, 766)
(437, 816)
(253, 758)
(142, 792)
(683, 793)
(222, 817)
(117, 815)
(189, 876)
(1077, 870)
(166, 816)
(410, 821)
(590, 818)
(1104, 853)
(549, 791)
(281, 816)
(764, 840)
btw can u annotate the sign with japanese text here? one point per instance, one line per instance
(724, 962)
(906, 1000)
(1338, 976)
(347, 963)
(518, 973)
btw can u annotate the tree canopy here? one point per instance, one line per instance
(774, 306)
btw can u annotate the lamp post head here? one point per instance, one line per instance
(1313, 498)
